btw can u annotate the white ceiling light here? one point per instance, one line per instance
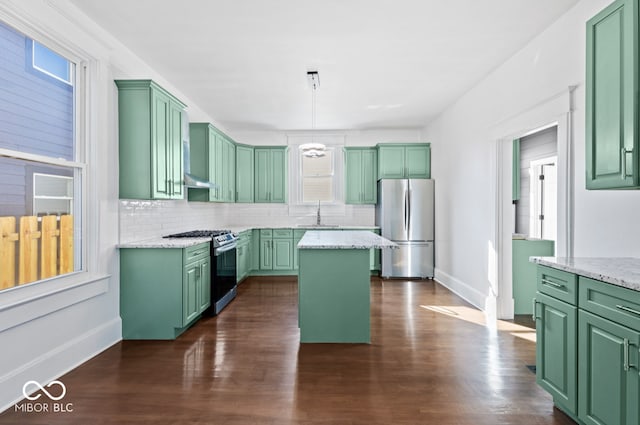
(313, 149)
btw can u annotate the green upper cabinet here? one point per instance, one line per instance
(244, 173)
(213, 158)
(361, 173)
(270, 174)
(150, 141)
(412, 161)
(611, 98)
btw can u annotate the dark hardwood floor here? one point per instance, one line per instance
(431, 361)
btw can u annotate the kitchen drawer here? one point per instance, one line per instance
(266, 233)
(613, 302)
(282, 233)
(196, 252)
(558, 284)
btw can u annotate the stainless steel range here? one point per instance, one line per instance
(223, 265)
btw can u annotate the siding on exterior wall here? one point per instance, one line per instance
(36, 110)
(13, 188)
(542, 144)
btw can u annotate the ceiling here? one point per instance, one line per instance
(382, 63)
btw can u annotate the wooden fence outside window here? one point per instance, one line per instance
(44, 247)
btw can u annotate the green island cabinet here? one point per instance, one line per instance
(244, 173)
(410, 161)
(361, 175)
(163, 291)
(244, 255)
(588, 342)
(612, 147)
(270, 174)
(213, 158)
(150, 141)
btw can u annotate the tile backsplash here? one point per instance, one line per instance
(141, 220)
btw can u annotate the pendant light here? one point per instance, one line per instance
(313, 149)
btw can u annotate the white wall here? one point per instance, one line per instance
(463, 141)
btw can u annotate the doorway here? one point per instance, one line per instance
(535, 157)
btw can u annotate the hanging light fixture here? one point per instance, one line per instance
(313, 149)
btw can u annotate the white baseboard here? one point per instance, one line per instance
(461, 289)
(58, 361)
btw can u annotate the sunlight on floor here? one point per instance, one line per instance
(477, 317)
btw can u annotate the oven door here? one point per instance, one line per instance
(223, 278)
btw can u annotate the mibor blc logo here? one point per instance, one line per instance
(54, 390)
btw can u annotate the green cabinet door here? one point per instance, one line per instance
(417, 161)
(190, 288)
(270, 176)
(282, 254)
(361, 173)
(608, 370)
(244, 173)
(391, 162)
(412, 161)
(150, 141)
(297, 235)
(205, 284)
(266, 253)
(611, 93)
(556, 357)
(229, 171)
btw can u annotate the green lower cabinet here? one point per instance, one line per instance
(266, 253)
(282, 254)
(556, 338)
(244, 255)
(588, 347)
(608, 361)
(163, 291)
(524, 272)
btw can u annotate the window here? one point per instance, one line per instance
(41, 169)
(318, 177)
(49, 62)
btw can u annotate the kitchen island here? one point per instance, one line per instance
(334, 285)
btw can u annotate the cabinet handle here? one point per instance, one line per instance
(623, 160)
(550, 283)
(626, 355)
(628, 309)
(533, 315)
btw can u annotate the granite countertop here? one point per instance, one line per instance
(620, 271)
(241, 228)
(165, 243)
(343, 239)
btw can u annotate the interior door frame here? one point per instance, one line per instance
(557, 111)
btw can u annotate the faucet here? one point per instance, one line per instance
(318, 214)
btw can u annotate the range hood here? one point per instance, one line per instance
(190, 180)
(194, 182)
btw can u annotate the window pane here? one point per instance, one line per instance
(49, 62)
(36, 110)
(318, 166)
(39, 223)
(317, 189)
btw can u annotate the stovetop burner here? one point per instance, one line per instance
(199, 234)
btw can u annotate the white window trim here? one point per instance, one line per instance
(88, 281)
(335, 141)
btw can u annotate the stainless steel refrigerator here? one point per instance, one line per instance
(405, 215)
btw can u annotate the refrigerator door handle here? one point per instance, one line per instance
(409, 212)
(406, 211)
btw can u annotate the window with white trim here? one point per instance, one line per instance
(41, 168)
(318, 177)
